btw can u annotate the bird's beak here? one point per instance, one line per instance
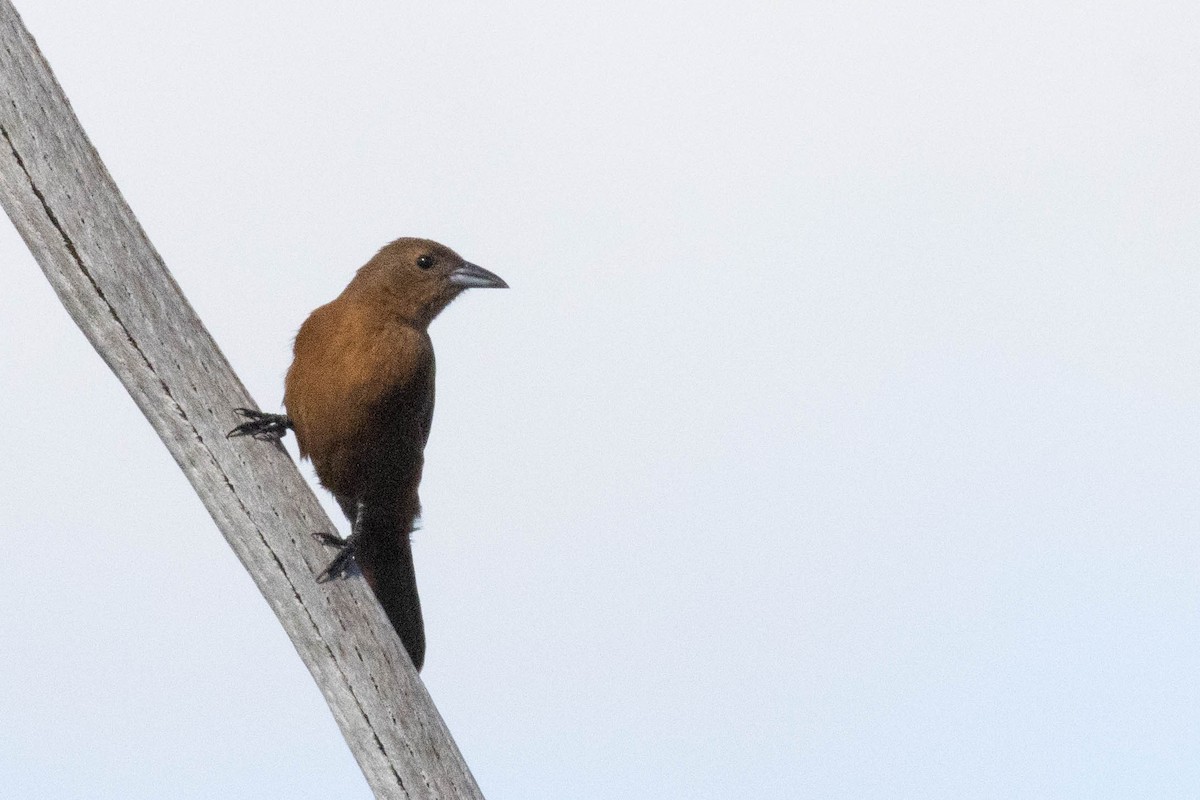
(472, 276)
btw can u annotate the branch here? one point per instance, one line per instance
(114, 284)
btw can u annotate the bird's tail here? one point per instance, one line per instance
(384, 554)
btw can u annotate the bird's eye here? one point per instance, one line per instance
(425, 262)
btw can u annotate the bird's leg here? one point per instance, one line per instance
(342, 562)
(261, 425)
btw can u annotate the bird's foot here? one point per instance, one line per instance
(261, 425)
(342, 561)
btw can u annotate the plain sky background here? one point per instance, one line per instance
(839, 437)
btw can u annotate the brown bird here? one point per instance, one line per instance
(359, 395)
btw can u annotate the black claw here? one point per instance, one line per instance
(330, 539)
(261, 426)
(342, 562)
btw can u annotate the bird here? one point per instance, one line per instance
(359, 395)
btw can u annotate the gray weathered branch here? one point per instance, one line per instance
(114, 284)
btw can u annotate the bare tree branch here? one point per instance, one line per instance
(85, 238)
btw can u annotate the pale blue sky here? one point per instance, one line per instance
(837, 439)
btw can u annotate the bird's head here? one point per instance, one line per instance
(419, 277)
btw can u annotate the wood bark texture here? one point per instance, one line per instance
(66, 206)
